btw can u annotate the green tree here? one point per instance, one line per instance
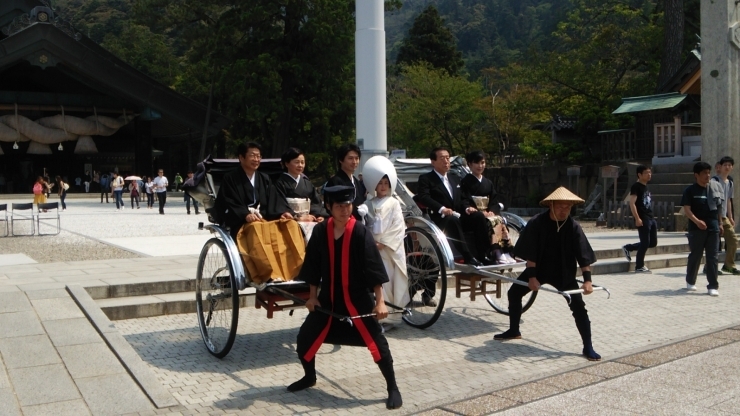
(605, 51)
(146, 51)
(430, 41)
(282, 71)
(428, 107)
(513, 110)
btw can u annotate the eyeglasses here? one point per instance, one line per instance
(254, 156)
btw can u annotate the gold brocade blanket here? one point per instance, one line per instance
(271, 250)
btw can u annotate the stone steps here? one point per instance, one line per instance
(177, 295)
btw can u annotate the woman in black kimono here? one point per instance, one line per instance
(293, 184)
(342, 259)
(475, 184)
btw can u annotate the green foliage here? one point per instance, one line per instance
(431, 42)
(428, 107)
(146, 51)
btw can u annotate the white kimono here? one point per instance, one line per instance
(385, 220)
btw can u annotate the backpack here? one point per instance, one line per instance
(37, 189)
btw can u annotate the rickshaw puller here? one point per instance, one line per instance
(342, 259)
(552, 243)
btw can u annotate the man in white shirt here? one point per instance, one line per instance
(116, 186)
(160, 187)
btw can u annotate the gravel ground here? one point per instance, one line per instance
(87, 220)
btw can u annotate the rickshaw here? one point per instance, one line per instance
(222, 280)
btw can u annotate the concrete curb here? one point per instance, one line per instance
(130, 360)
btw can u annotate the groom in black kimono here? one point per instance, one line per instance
(552, 243)
(342, 260)
(247, 195)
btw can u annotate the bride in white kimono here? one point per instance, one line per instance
(385, 219)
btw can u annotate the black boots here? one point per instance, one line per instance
(515, 316)
(584, 328)
(309, 380)
(394, 396)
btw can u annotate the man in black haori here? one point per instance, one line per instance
(348, 160)
(342, 260)
(552, 243)
(247, 195)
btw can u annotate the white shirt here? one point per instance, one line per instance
(160, 183)
(446, 182)
(117, 183)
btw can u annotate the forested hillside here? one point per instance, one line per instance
(489, 32)
(284, 71)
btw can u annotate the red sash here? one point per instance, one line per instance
(364, 333)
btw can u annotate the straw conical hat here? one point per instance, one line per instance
(561, 194)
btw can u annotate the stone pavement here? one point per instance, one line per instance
(52, 361)
(453, 360)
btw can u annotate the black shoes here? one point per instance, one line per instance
(474, 262)
(488, 262)
(394, 399)
(590, 354)
(510, 334)
(302, 384)
(428, 301)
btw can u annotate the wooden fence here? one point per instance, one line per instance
(619, 215)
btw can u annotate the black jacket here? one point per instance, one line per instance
(236, 195)
(431, 192)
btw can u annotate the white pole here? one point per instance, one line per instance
(370, 79)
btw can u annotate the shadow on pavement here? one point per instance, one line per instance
(497, 351)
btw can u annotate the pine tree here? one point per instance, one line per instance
(430, 41)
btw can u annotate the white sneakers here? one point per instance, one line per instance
(710, 292)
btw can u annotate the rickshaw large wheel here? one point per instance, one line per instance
(427, 278)
(216, 298)
(500, 301)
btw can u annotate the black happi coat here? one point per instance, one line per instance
(471, 187)
(287, 187)
(237, 194)
(556, 254)
(360, 259)
(366, 268)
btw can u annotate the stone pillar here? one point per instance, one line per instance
(720, 82)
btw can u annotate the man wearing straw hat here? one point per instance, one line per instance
(552, 243)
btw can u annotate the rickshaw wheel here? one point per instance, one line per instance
(427, 278)
(216, 298)
(500, 301)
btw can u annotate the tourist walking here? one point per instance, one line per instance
(189, 198)
(641, 205)
(160, 187)
(178, 182)
(62, 191)
(87, 181)
(134, 191)
(727, 218)
(104, 187)
(116, 185)
(39, 191)
(149, 187)
(702, 210)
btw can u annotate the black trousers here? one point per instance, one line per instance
(187, 203)
(340, 333)
(517, 292)
(162, 198)
(104, 191)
